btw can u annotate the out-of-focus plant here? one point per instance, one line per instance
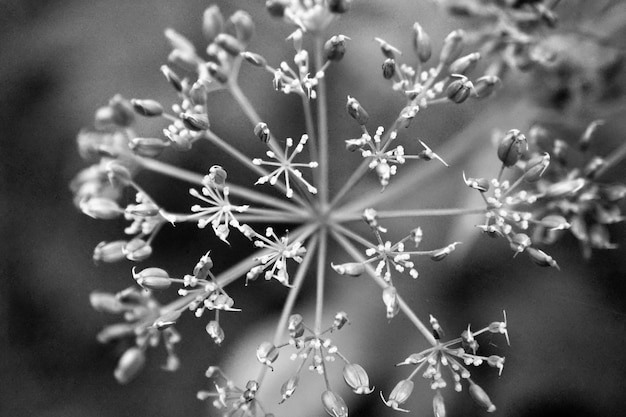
(546, 186)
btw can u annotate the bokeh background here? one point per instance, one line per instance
(61, 59)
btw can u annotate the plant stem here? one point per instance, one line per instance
(390, 214)
(615, 157)
(322, 123)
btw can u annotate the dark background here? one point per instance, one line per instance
(60, 60)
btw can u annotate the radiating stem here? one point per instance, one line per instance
(322, 123)
(404, 307)
(390, 214)
(615, 157)
(310, 130)
(321, 274)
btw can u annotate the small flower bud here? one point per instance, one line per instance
(276, 8)
(244, 26)
(389, 68)
(334, 405)
(353, 269)
(510, 147)
(535, 167)
(100, 208)
(390, 298)
(357, 379)
(335, 48)
(172, 78)
(288, 388)
(438, 255)
(356, 111)
(212, 22)
(137, 250)
(400, 393)
(118, 174)
(464, 64)
(295, 326)
(123, 114)
(439, 407)
(254, 59)
(153, 278)
(179, 41)
(129, 365)
(481, 398)
(105, 302)
(341, 318)
(195, 121)
(267, 354)
(149, 147)
(217, 175)
(115, 331)
(452, 47)
(109, 251)
(480, 184)
(541, 258)
(262, 132)
(147, 107)
(215, 331)
(486, 85)
(421, 43)
(459, 90)
(338, 6)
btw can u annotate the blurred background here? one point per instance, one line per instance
(62, 59)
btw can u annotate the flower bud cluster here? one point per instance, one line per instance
(309, 16)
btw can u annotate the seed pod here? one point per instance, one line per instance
(341, 318)
(357, 379)
(438, 255)
(464, 64)
(400, 393)
(137, 250)
(421, 43)
(217, 175)
(100, 208)
(459, 90)
(335, 48)
(452, 47)
(353, 269)
(147, 107)
(153, 278)
(129, 365)
(215, 331)
(519, 242)
(480, 184)
(288, 388)
(267, 354)
(262, 132)
(481, 398)
(149, 147)
(541, 258)
(392, 304)
(295, 326)
(510, 147)
(195, 121)
(535, 167)
(389, 68)
(356, 111)
(109, 251)
(486, 85)
(244, 26)
(334, 405)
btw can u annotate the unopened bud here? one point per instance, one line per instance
(115, 331)
(389, 68)
(244, 26)
(535, 167)
(341, 318)
(519, 242)
(147, 107)
(109, 251)
(510, 147)
(400, 393)
(335, 48)
(195, 121)
(486, 85)
(481, 398)
(541, 258)
(255, 59)
(153, 278)
(288, 388)
(353, 269)
(129, 365)
(295, 326)
(172, 78)
(267, 354)
(480, 184)
(212, 23)
(262, 132)
(149, 147)
(137, 250)
(357, 379)
(464, 64)
(356, 111)
(452, 47)
(390, 298)
(215, 331)
(100, 208)
(334, 405)
(459, 90)
(421, 43)
(217, 175)
(555, 222)
(123, 114)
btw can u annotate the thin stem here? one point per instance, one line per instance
(234, 152)
(404, 307)
(390, 214)
(612, 160)
(321, 274)
(310, 130)
(322, 123)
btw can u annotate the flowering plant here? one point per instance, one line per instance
(296, 213)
